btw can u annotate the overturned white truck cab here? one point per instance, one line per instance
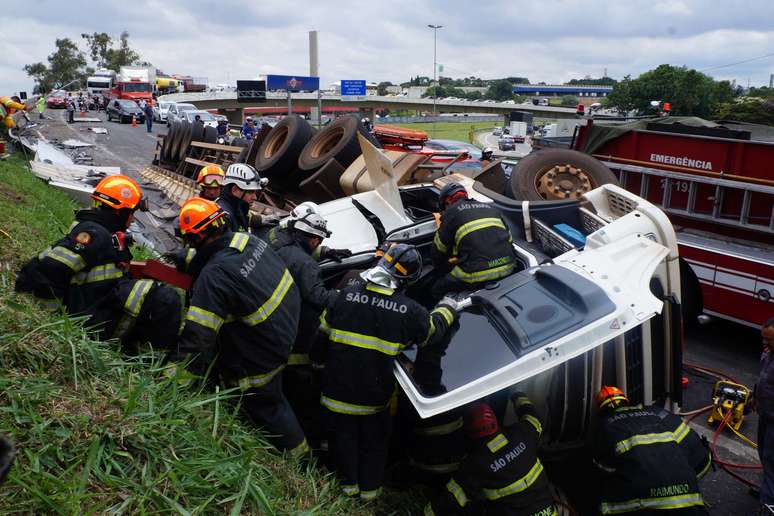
(596, 299)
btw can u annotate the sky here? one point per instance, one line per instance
(549, 40)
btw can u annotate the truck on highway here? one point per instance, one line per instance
(134, 83)
(192, 83)
(101, 82)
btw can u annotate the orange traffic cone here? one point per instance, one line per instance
(134, 121)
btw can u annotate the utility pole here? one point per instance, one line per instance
(435, 70)
(314, 71)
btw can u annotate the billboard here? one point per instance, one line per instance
(251, 91)
(292, 83)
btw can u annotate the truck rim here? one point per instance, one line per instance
(562, 181)
(328, 141)
(276, 141)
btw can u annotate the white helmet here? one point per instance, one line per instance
(244, 177)
(312, 223)
(303, 209)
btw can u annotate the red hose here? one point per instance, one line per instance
(708, 370)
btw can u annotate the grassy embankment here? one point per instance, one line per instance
(450, 130)
(99, 432)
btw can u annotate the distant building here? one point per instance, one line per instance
(415, 92)
(551, 90)
(371, 88)
(394, 90)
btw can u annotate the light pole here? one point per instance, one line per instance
(435, 69)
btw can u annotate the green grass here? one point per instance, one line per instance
(100, 432)
(450, 130)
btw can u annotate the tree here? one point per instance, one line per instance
(749, 109)
(588, 81)
(690, 92)
(517, 80)
(381, 88)
(103, 53)
(569, 101)
(500, 90)
(66, 67)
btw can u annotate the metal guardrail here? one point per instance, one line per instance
(419, 119)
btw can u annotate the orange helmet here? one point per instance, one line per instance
(120, 192)
(211, 175)
(197, 214)
(480, 420)
(610, 397)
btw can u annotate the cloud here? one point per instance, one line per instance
(550, 40)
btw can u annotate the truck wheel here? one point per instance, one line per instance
(337, 140)
(245, 144)
(558, 174)
(185, 141)
(177, 135)
(197, 135)
(278, 155)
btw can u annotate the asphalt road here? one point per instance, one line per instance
(727, 347)
(490, 140)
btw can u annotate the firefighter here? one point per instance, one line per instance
(648, 458)
(472, 243)
(364, 329)
(239, 190)
(86, 272)
(8, 108)
(295, 244)
(244, 308)
(210, 179)
(764, 398)
(501, 467)
(321, 252)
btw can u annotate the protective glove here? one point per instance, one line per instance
(449, 302)
(269, 219)
(519, 399)
(334, 254)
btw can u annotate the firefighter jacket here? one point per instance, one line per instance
(504, 469)
(307, 276)
(239, 216)
(244, 307)
(437, 444)
(649, 460)
(8, 107)
(81, 269)
(764, 390)
(364, 328)
(474, 239)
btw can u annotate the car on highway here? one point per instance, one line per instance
(176, 110)
(506, 143)
(596, 298)
(497, 131)
(454, 145)
(124, 110)
(160, 110)
(57, 99)
(206, 117)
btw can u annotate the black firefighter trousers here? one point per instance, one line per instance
(267, 407)
(359, 446)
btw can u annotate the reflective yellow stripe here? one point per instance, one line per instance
(189, 256)
(429, 510)
(99, 273)
(299, 359)
(459, 494)
(516, 487)
(378, 288)
(72, 260)
(485, 275)
(259, 380)
(681, 432)
(438, 469)
(350, 490)
(239, 241)
(351, 409)
(438, 244)
(669, 502)
(370, 495)
(204, 317)
(324, 326)
(521, 401)
(641, 439)
(534, 422)
(474, 225)
(497, 442)
(271, 304)
(706, 466)
(445, 313)
(301, 449)
(136, 297)
(360, 340)
(440, 429)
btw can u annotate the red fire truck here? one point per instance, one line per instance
(716, 183)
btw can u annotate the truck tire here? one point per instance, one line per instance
(183, 136)
(210, 135)
(197, 135)
(176, 132)
(245, 144)
(277, 157)
(337, 140)
(558, 174)
(185, 141)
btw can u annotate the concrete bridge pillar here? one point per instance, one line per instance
(234, 115)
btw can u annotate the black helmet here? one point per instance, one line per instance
(403, 262)
(447, 191)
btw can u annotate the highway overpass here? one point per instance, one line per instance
(226, 103)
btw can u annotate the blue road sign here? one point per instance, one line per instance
(353, 88)
(292, 83)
